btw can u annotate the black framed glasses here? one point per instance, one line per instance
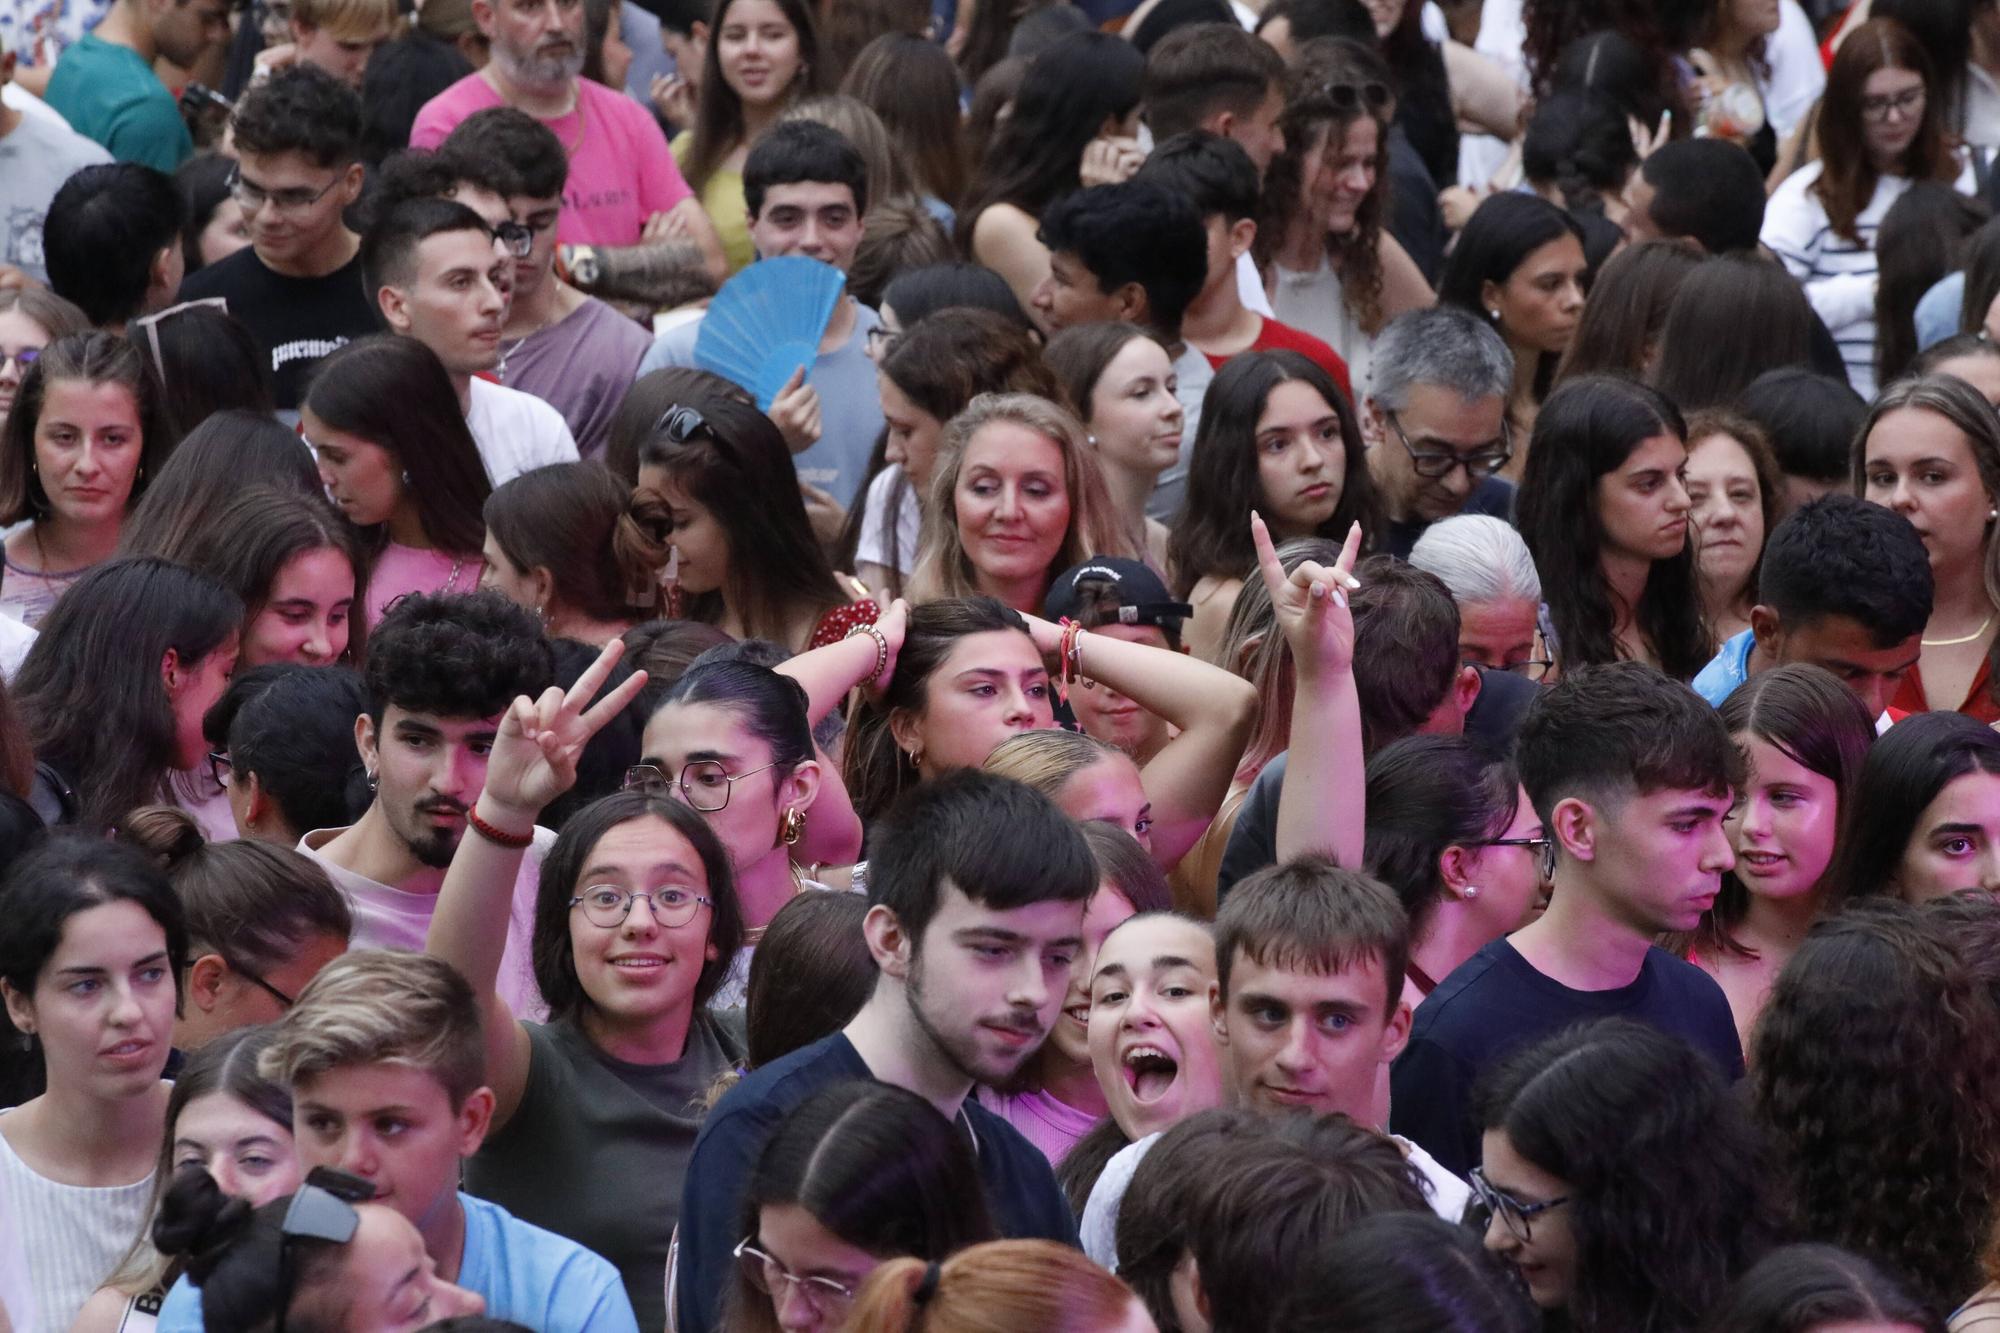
(220, 768)
(607, 905)
(322, 1210)
(1544, 847)
(881, 342)
(1534, 668)
(517, 238)
(680, 424)
(1346, 96)
(1436, 464)
(704, 783)
(252, 197)
(1909, 102)
(288, 1001)
(828, 1299)
(1517, 1217)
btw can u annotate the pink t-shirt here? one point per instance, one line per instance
(620, 172)
(405, 569)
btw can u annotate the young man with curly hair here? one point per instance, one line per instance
(441, 671)
(297, 285)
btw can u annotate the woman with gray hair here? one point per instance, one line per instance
(1492, 578)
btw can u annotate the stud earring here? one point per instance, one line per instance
(1495, 314)
(1471, 892)
(406, 471)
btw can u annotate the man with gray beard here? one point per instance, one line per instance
(623, 187)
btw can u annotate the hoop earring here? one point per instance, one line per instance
(917, 760)
(792, 827)
(373, 781)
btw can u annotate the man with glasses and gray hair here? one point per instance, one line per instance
(1435, 420)
(297, 286)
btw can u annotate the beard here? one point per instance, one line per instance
(537, 67)
(961, 1049)
(431, 845)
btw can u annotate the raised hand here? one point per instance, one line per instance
(1310, 603)
(795, 412)
(534, 755)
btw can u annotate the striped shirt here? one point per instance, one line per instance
(1838, 274)
(63, 1239)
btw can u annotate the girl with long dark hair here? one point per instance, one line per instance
(231, 452)
(1279, 437)
(762, 54)
(86, 430)
(297, 566)
(1806, 737)
(1121, 382)
(397, 458)
(1604, 511)
(1924, 820)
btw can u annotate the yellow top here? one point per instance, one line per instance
(722, 197)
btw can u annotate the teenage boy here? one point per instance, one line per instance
(297, 285)
(1845, 585)
(976, 887)
(1306, 1009)
(105, 87)
(439, 275)
(37, 154)
(339, 36)
(1435, 421)
(806, 189)
(1632, 775)
(112, 242)
(572, 351)
(1217, 176)
(1133, 251)
(387, 1072)
(623, 185)
(440, 672)
(1120, 599)
(1708, 191)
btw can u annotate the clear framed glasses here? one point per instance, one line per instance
(252, 197)
(1435, 464)
(1517, 1217)
(517, 238)
(703, 783)
(829, 1299)
(607, 905)
(1907, 103)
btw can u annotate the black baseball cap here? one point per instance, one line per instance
(1142, 595)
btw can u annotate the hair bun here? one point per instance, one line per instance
(198, 1222)
(166, 834)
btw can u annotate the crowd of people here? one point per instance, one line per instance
(994, 666)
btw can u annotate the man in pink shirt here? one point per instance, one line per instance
(623, 187)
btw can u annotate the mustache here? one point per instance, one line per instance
(441, 805)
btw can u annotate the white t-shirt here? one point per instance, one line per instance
(1448, 1195)
(516, 432)
(60, 1241)
(389, 918)
(872, 547)
(15, 641)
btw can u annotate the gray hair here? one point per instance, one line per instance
(1480, 558)
(1441, 345)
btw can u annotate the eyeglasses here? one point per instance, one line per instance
(607, 906)
(253, 197)
(1516, 1216)
(288, 1001)
(1347, 96)
(1437, 464)
(704, 783)
(1544, 845)
(1534, 668)
(151, 324)
(680, 424)
(881, 342)
(322, 1210)
(828, 1299)
(22, 359)
(220, 768)
(1905, 103)
(517, 237)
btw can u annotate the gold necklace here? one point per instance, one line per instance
(1984, 625)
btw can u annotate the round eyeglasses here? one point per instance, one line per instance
(828, 1299)
(704, 783)
(607, 905)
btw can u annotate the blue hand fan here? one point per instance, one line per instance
(767, 321)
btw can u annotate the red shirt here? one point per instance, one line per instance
(1273, 337)
(1978, 703)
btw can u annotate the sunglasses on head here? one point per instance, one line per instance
(1348, 96)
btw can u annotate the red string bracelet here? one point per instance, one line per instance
(513, 842)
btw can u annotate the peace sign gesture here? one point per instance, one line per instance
(1310, 603)
(534, 755)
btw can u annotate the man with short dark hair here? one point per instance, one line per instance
(1632, 775)
(1845, 585)
(112, 242)
(1219, 179)
(105, 87)
(440, 672)
(976, 888)
(572, 351)
(806, 189)
(297, 285)
(1134, 251)
(440, 275)
(1708, 191)
(1435, 421)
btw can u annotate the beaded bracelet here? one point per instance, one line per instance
(881, 649)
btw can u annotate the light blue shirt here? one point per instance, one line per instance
(1937, 313)
(526, 1274)
(1731, 667)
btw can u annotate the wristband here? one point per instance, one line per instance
(513, 842)
(881, 649)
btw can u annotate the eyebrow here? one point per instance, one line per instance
(719, 756)
(91, 968)
(998, 673)
(658, 868)
(1700, 811)
(1001, 935)
(1957, 828)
